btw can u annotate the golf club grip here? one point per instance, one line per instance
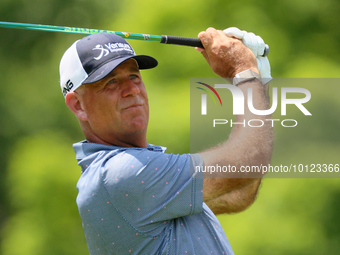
(193, 42)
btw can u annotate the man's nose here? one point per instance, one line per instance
(130, 88)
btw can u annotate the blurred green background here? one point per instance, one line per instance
(38, 213)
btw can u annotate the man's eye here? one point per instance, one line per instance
(111, 81)
(133, 76)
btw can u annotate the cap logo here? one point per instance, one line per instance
(112, 47)
(67, 87)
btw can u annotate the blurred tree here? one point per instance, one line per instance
(30, 100)
(303, 41)
(42, 193)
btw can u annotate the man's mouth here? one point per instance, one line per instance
(133, 106)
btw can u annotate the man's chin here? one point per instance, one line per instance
(137, 124)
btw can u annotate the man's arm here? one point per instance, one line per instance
(246, 146)
(235, 201)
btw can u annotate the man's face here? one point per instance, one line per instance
(117, 106)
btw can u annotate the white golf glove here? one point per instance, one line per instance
(257, 46)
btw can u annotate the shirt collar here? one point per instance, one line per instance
(84, 148)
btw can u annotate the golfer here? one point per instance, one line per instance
(134, 198)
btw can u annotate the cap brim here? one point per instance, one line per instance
(144, 62)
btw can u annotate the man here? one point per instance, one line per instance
(133, 197)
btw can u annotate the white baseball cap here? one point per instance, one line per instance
(93, 57)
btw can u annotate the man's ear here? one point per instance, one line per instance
(74, 102)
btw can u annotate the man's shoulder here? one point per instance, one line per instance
(87, 153)
(108, 157)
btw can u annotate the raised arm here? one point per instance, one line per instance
(246, 146)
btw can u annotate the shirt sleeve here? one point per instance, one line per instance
(148, 188)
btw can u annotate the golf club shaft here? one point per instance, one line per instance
(167, 39)
(194, 42)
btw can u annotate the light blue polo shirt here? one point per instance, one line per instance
(144, 201)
